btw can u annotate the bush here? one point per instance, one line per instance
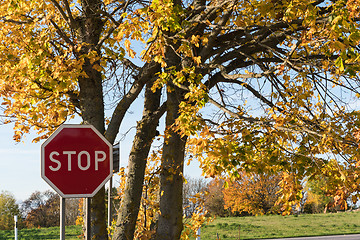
(8, 209)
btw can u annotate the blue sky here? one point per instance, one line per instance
(19, 165)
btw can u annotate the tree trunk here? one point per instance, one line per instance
(92, 109)
(89, 27)
(170, 222)
(93, 113)
(145, 133)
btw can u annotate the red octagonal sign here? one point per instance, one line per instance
(76, 160)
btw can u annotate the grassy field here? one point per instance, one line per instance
(71, 233)
(282, 226)
(237, 228)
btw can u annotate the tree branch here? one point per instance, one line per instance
(113, 28)
(71, 18)
(146, 74)
(61, 33)
(63, 14)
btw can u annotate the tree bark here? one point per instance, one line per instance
(145, 133)
(91, 101)
(170, 223)
(92, 109)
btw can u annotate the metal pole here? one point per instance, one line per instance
(110, 203)
(15, 228)
(88, 219)
(62, 218)
(198, 233)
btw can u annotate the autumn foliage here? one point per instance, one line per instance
(214, 200)
(254, 194)
(8, 209)
(42, 209)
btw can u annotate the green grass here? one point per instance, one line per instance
(71, 233)
(234, 227)
(282, 226)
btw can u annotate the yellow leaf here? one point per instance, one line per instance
(197, 60)
(127, 44)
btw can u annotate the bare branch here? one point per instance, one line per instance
(292, 128)
(71, 18)
(146, 74)
(113, 28)
(61, 33)
(63, 14)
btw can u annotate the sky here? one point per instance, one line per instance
(20, 164)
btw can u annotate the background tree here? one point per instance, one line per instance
(115, 201)
(254, 194)
(316, 199)
(214, 201)
(72, 210)
(319, 197)
(8, 209)
(42, 209)
(193, 187)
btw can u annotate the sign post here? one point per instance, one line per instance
(88, 218)
(15, 227)
(76, 161)
(62, 218)
(110, 203)
(116, 166)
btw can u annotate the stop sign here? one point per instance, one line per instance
(76, 160)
